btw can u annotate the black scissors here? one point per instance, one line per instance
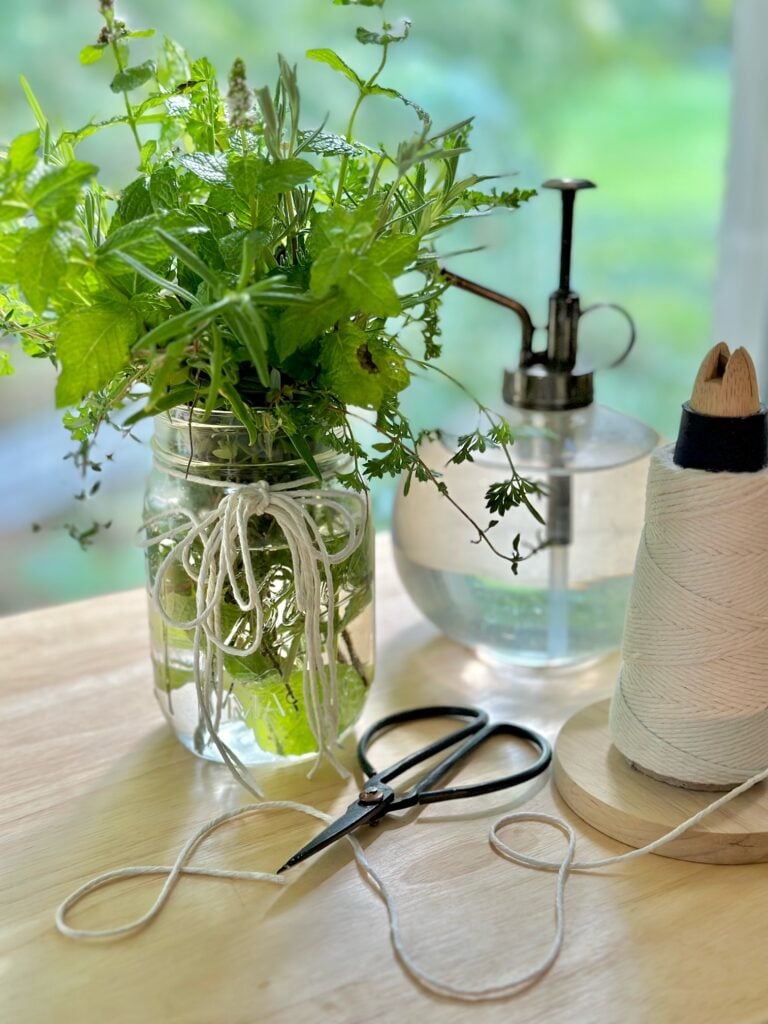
(377, 798)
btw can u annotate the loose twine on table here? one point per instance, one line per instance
(682, 592)
(215, 551)
(373, 879)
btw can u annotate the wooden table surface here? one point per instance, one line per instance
(93, 780)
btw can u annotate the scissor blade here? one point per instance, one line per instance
(356, 814)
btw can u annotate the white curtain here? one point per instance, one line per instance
(741, 293)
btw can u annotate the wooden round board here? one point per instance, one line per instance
(600, 785)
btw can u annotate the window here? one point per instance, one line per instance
(631, 93)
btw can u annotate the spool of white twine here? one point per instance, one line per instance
(691, 703)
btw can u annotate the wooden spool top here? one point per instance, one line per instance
(726, 384)
(724, 428)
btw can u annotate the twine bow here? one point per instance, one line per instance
(225, 561)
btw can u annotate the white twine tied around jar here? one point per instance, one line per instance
(222, 535)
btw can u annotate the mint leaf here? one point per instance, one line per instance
(358, 223)
(283, 175)
(134, 202)
(394, 253)
(55, 194)
(370, 289)
(302, 324)
(222, 199)
(333, 60)
(274, 707)
(208, 250)
(40, 262)
(327, 144)
(12, 208)
(246, 175)
(139, 240)
(92, 346)
(178, 105)
(22, 152)
(138, 231)
(164, 189)
(253, 175)
(217, 223)
(6, 366)
(210, 167)
(330, 269)
(9, 246)
(132, 78)
(90, 54)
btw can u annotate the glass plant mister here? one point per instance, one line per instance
(567, 600)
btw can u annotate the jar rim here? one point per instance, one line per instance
(182, 422)
(327, 456)
(197, 417)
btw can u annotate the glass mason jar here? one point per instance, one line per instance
(255, 677)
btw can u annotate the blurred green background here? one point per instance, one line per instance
(633, 94)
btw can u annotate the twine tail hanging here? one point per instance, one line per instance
(215, 553)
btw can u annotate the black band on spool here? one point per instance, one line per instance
(722, 444)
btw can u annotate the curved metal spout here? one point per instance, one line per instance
(503, 300)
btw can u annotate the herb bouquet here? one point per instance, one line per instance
(247, 289)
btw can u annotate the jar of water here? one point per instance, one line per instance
(566, 602)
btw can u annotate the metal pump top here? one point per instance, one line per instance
(546, 379)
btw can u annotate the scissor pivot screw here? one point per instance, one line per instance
(371, 795)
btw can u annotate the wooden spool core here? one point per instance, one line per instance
(726, 384)
(601, 786)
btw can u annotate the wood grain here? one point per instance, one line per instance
(726, 384)
(604, 789)
(92, 780)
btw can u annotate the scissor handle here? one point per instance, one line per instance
(468, 738)
(477, 719)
